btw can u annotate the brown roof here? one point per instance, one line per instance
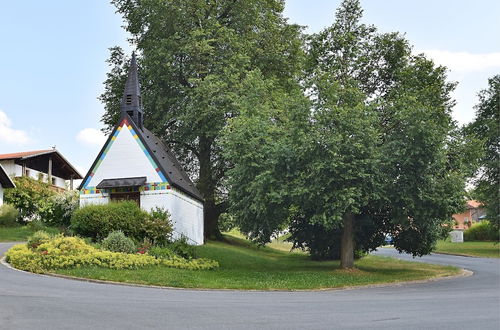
(17, 155)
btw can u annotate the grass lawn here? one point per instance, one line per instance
(476, 249)
(244, 266)
(20, 233)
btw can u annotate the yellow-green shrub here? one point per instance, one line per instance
(67, 252)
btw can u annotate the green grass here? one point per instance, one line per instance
(475, 249)
(245, 266)
(20, 233)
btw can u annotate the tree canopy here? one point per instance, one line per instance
(373, 155)
(194, 58)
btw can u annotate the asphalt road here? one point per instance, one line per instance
(29, 301)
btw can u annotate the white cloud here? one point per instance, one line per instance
(91, 136)
(10, 135)
(464, 61)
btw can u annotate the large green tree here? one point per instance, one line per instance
(375, 154)
(194, 57)
(486, 129)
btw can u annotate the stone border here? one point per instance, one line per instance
(463, 273)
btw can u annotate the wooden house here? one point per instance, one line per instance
(135, 165)
(46, 165)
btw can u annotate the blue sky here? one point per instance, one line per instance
(52, 60)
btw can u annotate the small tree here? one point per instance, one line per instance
(30, 197)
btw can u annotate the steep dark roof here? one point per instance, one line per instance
(170, 166)
(5, 181)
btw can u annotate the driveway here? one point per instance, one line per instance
(29, 301)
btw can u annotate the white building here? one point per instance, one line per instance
(5, 182)
(44, 165)
(135, 165)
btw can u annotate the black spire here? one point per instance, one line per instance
(131, 101)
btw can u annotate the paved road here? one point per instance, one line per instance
(29, 301)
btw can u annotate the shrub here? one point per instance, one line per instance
(181, 248)
(30, 197)
(38, 238)
(116, 241)
(482, 231)
(62, 206)
(161, 252)
(66, 252)
(8, 215)
(158, 227)
(97, 221)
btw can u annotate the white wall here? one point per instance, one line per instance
(1, 194)
(186, 213)
(124, 159)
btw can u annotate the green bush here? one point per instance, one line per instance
(8, 215)
(67, 252)
(116, 241)
(157, 227)
(97, 221)
(161, 252)
(61, 208)
(181, 248)
(30, 197)
(38, 238)
(482, 231)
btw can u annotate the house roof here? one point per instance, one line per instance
(38, 160)
(161, 154)
(5, 181)
(169, 164)
(24, 154)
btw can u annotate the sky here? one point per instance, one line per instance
(53, 60)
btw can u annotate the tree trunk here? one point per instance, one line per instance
(206, 186)
(347, 242)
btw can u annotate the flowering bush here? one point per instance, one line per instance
(43, 254)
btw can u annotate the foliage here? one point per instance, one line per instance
(157, 227)
(161, 252)
(482, 231)
(30, 197)
(62, 207)
(194, 57)
(38, 238)
(69, 252)
(116, 241)
(97, 221)
(8, 215)
(181, 248)
(486, 129)
(375, 148)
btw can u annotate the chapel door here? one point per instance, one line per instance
(127, 196)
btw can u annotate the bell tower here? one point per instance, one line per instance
(131, 101)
